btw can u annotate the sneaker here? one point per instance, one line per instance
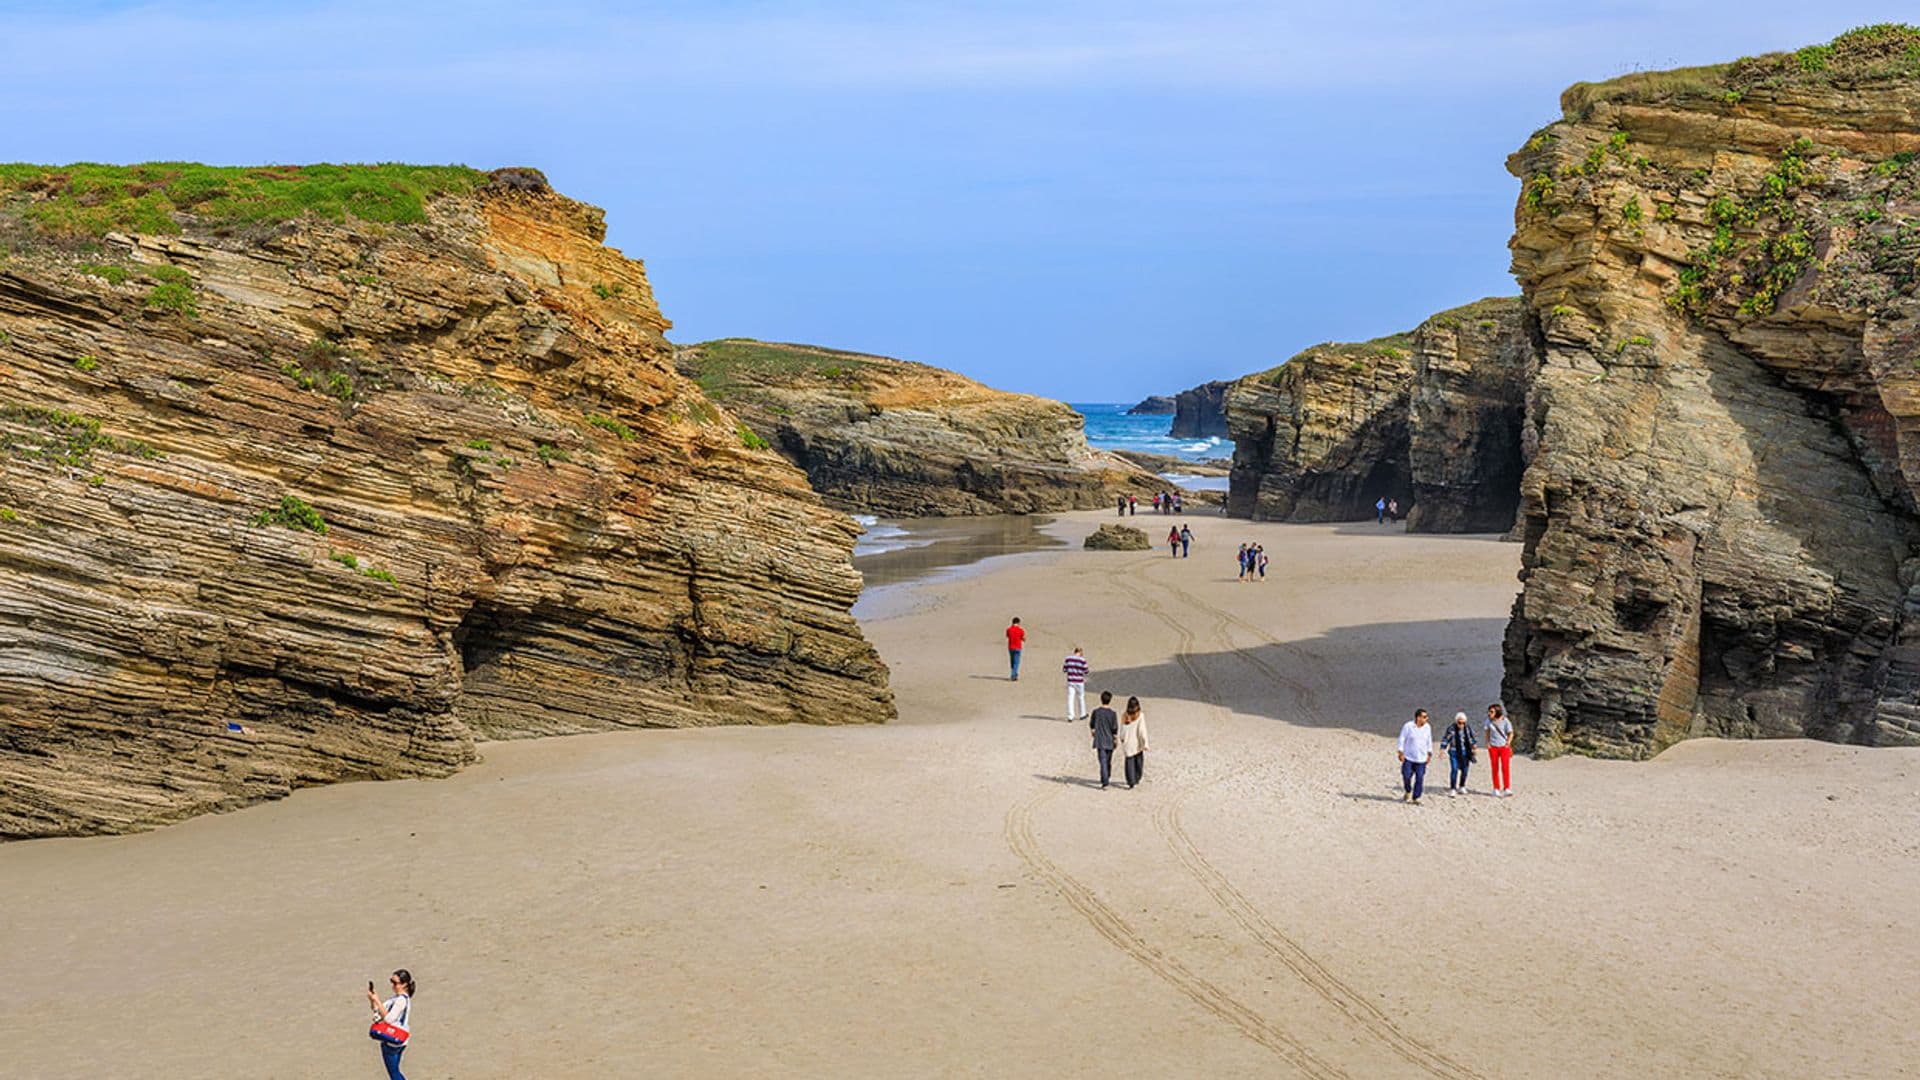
(1416, 802)
(1406, 796)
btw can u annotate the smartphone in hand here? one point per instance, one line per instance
(369, 986)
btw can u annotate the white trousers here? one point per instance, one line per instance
(1076, 700)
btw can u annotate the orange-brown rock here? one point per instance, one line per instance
(903, 439)
(321, 500)
(1718, 512)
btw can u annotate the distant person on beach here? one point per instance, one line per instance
(1380, 511)
(1173, 542)
(1260, 559)
(1179, 504)
(1393, 509)
(1133, 741)
(1416, 747)
(1156, 502)
(1458, 742)
(1106, 729)
(1500, 750)
(1016, 640)
(1186, 540)
(1133, 506)
(391, 1021)
(1122, 500)
(1076, 669)
(1243, 561)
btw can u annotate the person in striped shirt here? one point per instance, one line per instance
(1076, 669)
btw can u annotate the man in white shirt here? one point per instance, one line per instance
(1076, 671)
(1416, 747)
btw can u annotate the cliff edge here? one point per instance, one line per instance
(893, 437)
(320, 473)
(1719, 510)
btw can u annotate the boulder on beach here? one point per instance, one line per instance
(1117, 538)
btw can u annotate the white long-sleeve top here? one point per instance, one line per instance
(1133, 737)
(1416, 741)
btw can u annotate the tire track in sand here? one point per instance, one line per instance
(1351, 1003)
(1108, 924)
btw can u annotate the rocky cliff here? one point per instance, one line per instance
(1430, 418)
(1324, 435)
(1200, 413)
(1718, 513)
(1153, 405)
(318, 474)
(902, 439)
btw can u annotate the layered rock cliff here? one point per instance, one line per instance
(1200, 413)
(1718, 513)
(1429, 418)
(1324, 435)
(893, 437)
(290, 501)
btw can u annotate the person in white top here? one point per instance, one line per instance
(396, 1011)
(1416, 747)
(1133, 740)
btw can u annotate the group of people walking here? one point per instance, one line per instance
(1462, 749)
(1168, 502)
(1385, 510)
(1253, 562)
(1126, 731)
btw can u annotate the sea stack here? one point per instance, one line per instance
(1718, 512)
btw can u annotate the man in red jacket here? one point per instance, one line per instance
(1016, 640)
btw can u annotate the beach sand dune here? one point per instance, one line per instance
(949, 895)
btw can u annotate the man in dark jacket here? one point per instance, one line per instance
(1106, 728)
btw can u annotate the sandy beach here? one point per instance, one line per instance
(950, 896)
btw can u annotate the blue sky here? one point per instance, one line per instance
(1092, 201)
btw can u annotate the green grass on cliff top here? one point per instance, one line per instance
(92, 200)
(1880, 51)
(723, 367)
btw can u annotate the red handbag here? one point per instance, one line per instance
(387, 1033)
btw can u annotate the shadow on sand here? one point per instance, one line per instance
(1070, 781)
(1293, 681)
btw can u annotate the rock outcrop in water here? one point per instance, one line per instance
(1430, 418)
(1200, 413)
(1719, 509)
(901, 439)
(291, 502)
(1153, 405)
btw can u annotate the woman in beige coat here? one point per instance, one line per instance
(1133, 740)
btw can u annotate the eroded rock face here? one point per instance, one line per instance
(1116, 538)
(1324, 435)
(1200, 413)
(1430, 419)
(1472, 366)
(901, 439)
(1719, 508)
(533, 525)
(1153, 405)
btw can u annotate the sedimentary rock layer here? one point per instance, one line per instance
(284, 503)
(893, 437)
(1200, 413)
(1430, 419)
(1719, 508)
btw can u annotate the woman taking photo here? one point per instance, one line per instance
(390, 1020)
(1133, 740)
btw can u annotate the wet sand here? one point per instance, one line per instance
(949, 895)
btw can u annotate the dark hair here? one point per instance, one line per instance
(1106, 697)
(1133, 705)
(406, 979)
(1496, 710)
(1419, 712)
(1016, 620)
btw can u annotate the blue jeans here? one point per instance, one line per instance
(1457, 763)
(390, 1057)
(1413, 776)
(1013, 658)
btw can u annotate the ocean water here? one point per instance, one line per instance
(1110, 428)
(880, 537)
